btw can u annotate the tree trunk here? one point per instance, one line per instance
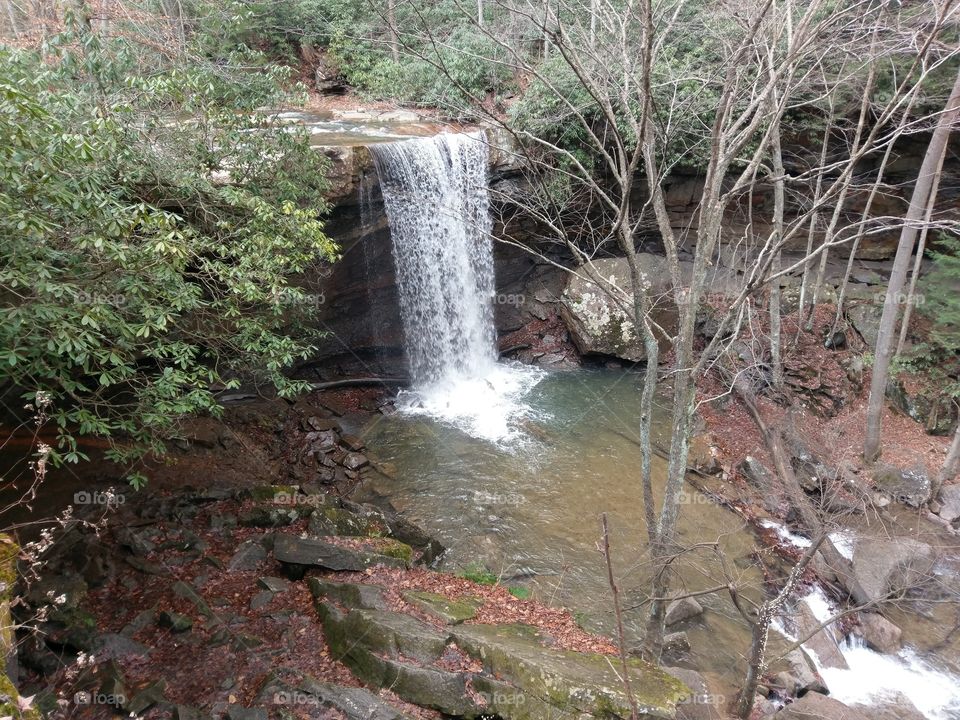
(776, 360)
(951, 466)
(908, 237)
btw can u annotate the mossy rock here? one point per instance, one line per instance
(386, 633)
(338, 521)
(452, 612)
(270, 515)
(571, 682)
(275, 493)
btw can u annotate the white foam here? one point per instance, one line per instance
(873, 676)
(784, 534)
(489, 406)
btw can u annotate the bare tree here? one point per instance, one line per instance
(883, 351)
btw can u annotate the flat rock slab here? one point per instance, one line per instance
(351, 595)
(314, 552)
(452, 612)
(585, 682)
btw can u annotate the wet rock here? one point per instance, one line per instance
(815, 705)
(701, 704)
(950, 503)
(682, 609)
(676, 643)
(355, 443)
(367, 597)
(142, 620)
(175, 622)
(822, 642)
(801, 675)
(910, 487)
(880, 566)
(879, 633)
(354, 461)
(314, 552)
(452, 612)
(894, 706)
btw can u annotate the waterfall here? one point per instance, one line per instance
(436, 198)
(436, 195)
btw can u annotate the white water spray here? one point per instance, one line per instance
(437, 201)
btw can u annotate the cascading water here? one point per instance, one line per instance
(436, 196)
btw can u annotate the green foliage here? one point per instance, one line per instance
(149, 233)
(940, 290)
(521, 593)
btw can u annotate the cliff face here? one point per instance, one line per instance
(356, 298)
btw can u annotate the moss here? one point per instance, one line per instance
(394, 549)
(474, 572)
(274, 492)
(9, 551)
(452, 612)
(10, 702)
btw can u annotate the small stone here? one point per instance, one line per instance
(354, 461)
(682, 609)
(261, 599)
(273, 584)
(175, 622)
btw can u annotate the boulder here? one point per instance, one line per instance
(925, 402)
(910, 487)
(756, 473)
(682, 609)
(598, 324)
(881, 565)
(800, 675)
(701, 704)
(865, 319)
(822, 642)
(894, 706)
(368, 597)
(314, 552)
(879, 633)
(814, 705)
(248, 556)
(388, 634)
